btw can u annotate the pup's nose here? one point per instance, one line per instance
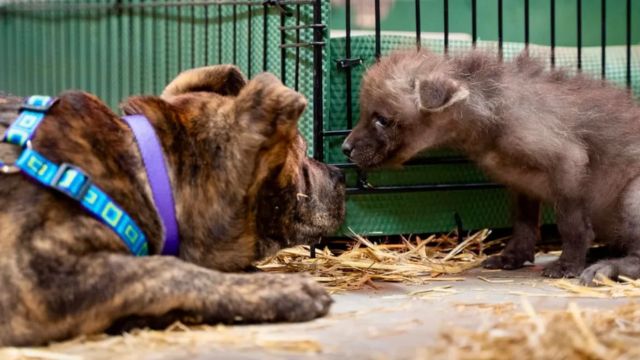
(347, 148)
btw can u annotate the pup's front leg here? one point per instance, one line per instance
(568, 175)
(577, 235)
(87, 295)
(526, 232)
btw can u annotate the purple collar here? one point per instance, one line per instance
(151, 152)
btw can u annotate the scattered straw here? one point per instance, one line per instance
(606, 288)
(495, 281)
(434, 292)
(495, 308)
(559, 334)
(171, 343)
(415, 262)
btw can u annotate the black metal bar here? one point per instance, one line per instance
(552, 20)
(132, 50)
(302, 44)
(154, 52)
(343, 64)
(119, 47)
(54, 57)
(167, 50)
(179, 47)
(283, 52)
(249, 45)
(459, 227)
(219, 34)
(422, 188)
(235, 31)
(297, 68)
(348, 69)
(446, 25)
(579, 33)
(474, 22)
(193, 36)
(500, 29)
(318, 121)
(336, 132)
(377, 29)
(526, 24)
(435, 160)
(300, 27)
(265, 25)
(206, 35)
(418, 27)
(603, 36)
(40, 6)
(142, 15)
(628, 45)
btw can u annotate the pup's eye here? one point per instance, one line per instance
(381, 121)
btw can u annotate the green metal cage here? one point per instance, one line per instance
(116, 48)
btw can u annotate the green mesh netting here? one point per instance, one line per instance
(115, 53)
(434, 211)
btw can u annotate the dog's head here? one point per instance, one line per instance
(406, 105)
(246, 160)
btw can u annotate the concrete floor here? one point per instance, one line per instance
(370, 324)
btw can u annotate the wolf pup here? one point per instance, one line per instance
(571, 141)
(242, 186)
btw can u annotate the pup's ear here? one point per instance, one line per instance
(220, 79)
(437, 93)
(270, 107)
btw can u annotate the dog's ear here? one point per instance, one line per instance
(221, 79)
(152, 107)
(437, 92)
(270, 107)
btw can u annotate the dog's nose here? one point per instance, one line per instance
(347, 148)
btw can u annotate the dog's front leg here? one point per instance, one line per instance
(526, 232)
(94, 293)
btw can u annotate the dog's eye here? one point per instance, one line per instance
(381, 121)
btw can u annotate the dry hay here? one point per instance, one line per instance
(175, 342)
(607, 288)
(414, 262)
(556, 334)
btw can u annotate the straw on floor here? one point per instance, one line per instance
(413, 261)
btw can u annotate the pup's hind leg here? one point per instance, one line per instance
(70, 297)
(622, 231)
(628, 266)
(526, 232)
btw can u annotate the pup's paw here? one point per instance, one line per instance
(504, 261)
(562, 269)
(599, 270)
(270, 297)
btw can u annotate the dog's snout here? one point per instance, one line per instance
(347, 147)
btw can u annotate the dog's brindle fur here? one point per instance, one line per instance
(570, 141)
(233, 154)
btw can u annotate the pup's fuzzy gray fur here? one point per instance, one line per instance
(571, 141)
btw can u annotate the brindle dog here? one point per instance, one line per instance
(243, 188)
(571, 141)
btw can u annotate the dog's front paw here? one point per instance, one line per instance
(504, 261)
(562, 269)
(271, 297)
